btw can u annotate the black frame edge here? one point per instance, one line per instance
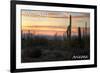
(54, 4)
(56, 68)
(95, 36)
(12, 36)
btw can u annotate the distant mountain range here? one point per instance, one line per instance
(56, 37)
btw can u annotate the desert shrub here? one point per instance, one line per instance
(33, 53)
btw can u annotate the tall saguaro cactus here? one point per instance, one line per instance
(79, 33)
(85, 28)
(79, 37)
(69, 28)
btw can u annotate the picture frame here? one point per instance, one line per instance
(46, 23)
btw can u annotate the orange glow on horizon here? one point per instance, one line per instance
(50, 31)
(52, 22)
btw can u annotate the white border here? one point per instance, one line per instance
(20, 65)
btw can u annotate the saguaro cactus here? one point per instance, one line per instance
(69, 28)
(79, 37)
(79, 33)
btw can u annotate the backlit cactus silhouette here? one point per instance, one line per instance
(69, 28)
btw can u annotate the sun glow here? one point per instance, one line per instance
(52, 22)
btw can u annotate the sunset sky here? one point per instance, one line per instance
(52, 22)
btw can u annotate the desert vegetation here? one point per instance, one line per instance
(39, 49)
